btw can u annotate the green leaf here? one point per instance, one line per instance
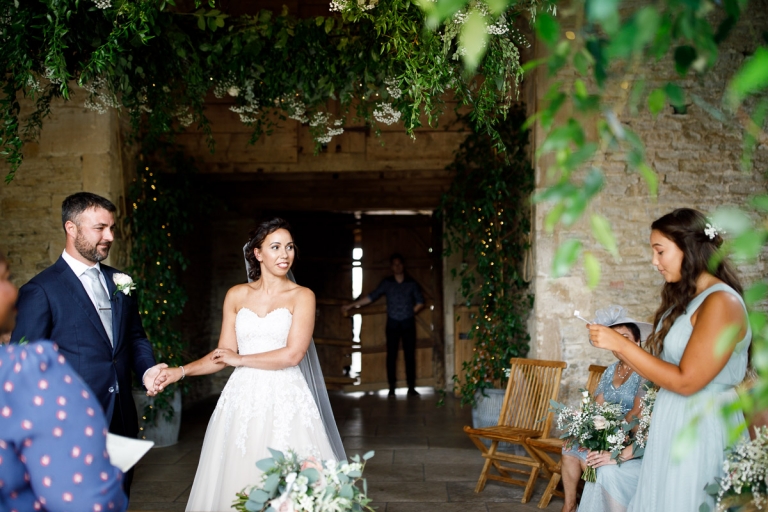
(748, 245)
(601, 228)
(258, 495)
(751, 78)
(755, 293)
(656, 101)
(329, 24)
(271, 484)
(592, 268)
(265, 464)
(473, 38)
(369, 455)
(733, 220)
(201, 23)
(650, 177)
(726, 339)
(676, 95)
(760, 202)
(581, 61)
(565, 256)
(685, 440)
(547, 28)
(684, 57)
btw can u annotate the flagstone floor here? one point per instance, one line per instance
(423, 461)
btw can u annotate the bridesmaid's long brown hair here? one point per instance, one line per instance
(685, 227)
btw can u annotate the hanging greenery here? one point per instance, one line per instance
(158, 61)
(486, 215)
(162, 204)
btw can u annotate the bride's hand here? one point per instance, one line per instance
(166, 377)
(227, 356)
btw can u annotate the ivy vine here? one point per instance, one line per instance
(486, 214)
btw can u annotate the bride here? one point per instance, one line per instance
(276, 397)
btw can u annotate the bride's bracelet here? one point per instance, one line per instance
(183, 373)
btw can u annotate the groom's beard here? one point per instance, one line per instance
(91, 252)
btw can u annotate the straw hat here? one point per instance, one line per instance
(617, 315)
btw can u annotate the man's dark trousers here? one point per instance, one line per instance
(405, 330)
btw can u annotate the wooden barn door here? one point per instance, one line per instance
(324, 265)
(411, 236)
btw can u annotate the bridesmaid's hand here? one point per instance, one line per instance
(227, 356)
(604, 337)
(599, 458)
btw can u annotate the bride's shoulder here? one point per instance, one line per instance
(302, 294)
(237, 292)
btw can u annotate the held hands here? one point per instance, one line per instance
(150, 379)
(227, 356)
(166, 377)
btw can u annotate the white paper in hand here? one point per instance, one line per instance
(125, 452)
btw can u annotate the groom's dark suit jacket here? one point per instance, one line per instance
(54, 306)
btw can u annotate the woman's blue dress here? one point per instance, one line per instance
(676, 484)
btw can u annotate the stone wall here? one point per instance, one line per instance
(78, 150)
(697, 161)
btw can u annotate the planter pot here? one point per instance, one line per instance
(485, 413)
(163, 432)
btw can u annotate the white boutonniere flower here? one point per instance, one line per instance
(124, 283)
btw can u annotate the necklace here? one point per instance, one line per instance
(626, 372)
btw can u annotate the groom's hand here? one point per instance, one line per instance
(150, 379)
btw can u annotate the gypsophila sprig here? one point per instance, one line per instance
(593, 426)
(307, 485)
(644, 422)
(746, 471)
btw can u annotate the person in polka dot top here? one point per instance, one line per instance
(53, 453)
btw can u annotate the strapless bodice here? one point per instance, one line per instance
(256, 334)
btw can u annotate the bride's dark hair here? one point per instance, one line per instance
(685, 227)
(257, 237)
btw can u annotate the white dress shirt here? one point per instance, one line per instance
(79, 268)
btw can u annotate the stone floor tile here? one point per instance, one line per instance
(493, 492)
(437, 507)
(438, 456)
(165, 473)
(395, 473)
(161, 492)
(452, 472)
(391, 442)
(451, 441)
(380, 457)
(419, 492)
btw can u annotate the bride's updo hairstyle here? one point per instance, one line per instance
(685, 227)
(257, 237)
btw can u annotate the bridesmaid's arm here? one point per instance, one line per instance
(299, 336)
(700, 362)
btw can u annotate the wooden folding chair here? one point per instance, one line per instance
(543, 446)
(532, 384)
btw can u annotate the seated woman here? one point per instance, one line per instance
(619, 384)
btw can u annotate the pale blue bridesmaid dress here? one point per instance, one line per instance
(669, 484)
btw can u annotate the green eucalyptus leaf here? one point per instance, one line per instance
(592, 268)
(565, 256)
(656, 101)
(751, 78)
(650, 177)
(547, 28)
(733, 220)
(756, 293)
(760, 202)
(601, 228)
(726, 339)
(473, 39)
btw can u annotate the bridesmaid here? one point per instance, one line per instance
(695, 376)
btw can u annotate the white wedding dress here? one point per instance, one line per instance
(258, 409)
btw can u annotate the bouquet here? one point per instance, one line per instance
(746, 469)
(593, 426)
(644, 423)
(292, 485)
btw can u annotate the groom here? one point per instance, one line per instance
(75, 303)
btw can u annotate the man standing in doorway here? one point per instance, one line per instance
(76, 303)
(404, 301)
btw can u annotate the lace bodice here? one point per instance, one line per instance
(256, 334)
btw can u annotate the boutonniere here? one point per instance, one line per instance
(124, 283)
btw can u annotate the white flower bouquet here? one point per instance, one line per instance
(744, 486)
(289, 484)
(593, 426)
(644, 422)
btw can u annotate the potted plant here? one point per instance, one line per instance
(486, 216)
